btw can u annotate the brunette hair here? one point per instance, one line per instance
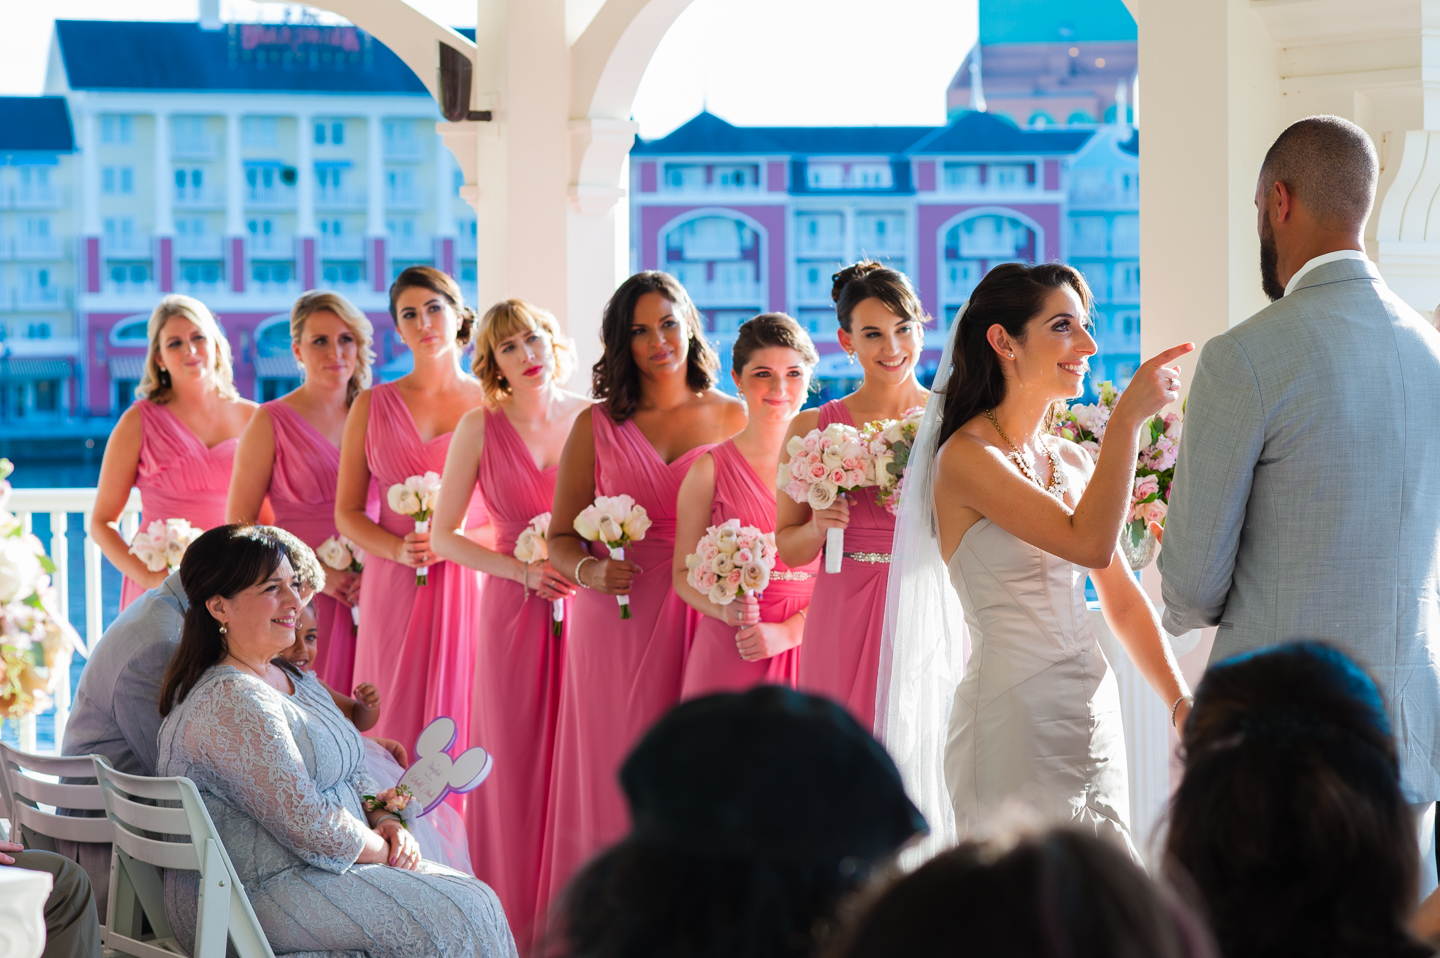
(323, 300)
(155, 383)
(1289, 820)
(1060, 894)
(428, 277)
(869, 279)
(769, 330)
(500, 322)
(614, 379)
(1010, 295)
(223, 561)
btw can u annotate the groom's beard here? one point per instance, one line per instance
(1270, 264)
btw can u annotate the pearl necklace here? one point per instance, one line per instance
(1059, 484)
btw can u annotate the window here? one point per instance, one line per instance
(825, 176)
(329, 177)
(260, 131)
(192, 137)
(116, 129)
(117, 179)
(38, 331)
(320, 133)
(1096, 279)
(36, 227)
(684, 177)
(1087, 235)
(1126, 241)
(267, 273)
(964, 176)
(876, 176)
(347, 274)
(125, 392)
(400, 186)
(745, 177)
(1012, 176)
(337, 132)
(832, 175)
(1040, 120)
(1127, 281)
(1080, 116)
(879, 234)
(821, 234)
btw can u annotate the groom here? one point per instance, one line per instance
(1306, 501)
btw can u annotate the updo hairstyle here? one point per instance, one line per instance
(614, 380)
(869, 279)
(1010, 295)
(428, 277)
(500, 322)
(769, 330)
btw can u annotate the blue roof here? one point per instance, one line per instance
(1055, 21)
(971, 132)
(35, 123)
(139, 55)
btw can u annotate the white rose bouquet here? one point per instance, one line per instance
(823, 464)
(530, 547)
(342, 555)
(416, 497)
(616, 521)
(890, 442)
(36, 642)
(162, 544)
(731, 560)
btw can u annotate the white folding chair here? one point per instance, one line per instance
(177, 834)
(23, 792)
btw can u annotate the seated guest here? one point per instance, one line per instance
(71, 927)
(753, 815)
(1289, 821)
(281, 772)
(1062, 893)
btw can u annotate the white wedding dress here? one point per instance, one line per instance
(1037, 716)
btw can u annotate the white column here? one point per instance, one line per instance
(374, 177)
(234, 178)
(304, 176)
(164, 181)
(444, 193)
(90, 173)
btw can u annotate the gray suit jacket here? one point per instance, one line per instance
(117, 706)
(1306, 502)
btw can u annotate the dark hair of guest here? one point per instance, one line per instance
(639, 900)
(615, 380)
(1289, 821)
(437, 281)
(1010, 295)
(770, 330)
(1056, 895)
(224, 561)
(869, 279)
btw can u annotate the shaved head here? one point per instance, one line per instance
(1329, 165)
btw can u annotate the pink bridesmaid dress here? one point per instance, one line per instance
(302, 495)
(178, 476)
(840, 657)
(517, 689)
(714, 664)
(620, 675)
(416, 644)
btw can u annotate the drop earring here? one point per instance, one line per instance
(222, 628)
(852, 358)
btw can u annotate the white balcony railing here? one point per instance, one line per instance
(40, 247)
(271, 245)
(199, 247)
(339, 198)
(411, 247)
(34, 197)
(404, 197)
(127, 246)
(41, 296)
(345, 246)
(270, 197)
(195, 146)
(199, 198)
(60, 503)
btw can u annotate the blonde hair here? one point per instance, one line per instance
(325, 301)
(500, 322)
(155, 383)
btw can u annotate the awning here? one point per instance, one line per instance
(277, 367)
(127, 367)
(28, 369)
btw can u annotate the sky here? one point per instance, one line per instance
(752, 62)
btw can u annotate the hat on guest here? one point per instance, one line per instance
(767, 774)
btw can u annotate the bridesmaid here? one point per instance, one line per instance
(176, 443)
(290, 452)
(511, 446)
(417, 645)
(658, 410)
(882, 326)
(771, 364)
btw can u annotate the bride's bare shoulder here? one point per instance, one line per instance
(965, 451)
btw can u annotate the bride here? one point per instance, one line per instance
(1018, 518)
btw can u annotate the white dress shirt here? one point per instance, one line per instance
(1321, 260)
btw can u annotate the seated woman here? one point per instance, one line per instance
(1062, 892)
(281, 772)
(1289, 821)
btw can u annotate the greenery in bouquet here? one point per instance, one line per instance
(889, 442)
(35, 640)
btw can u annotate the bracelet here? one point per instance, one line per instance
(387, 815)
(1176, 706)
(804, 616)
(583, 560)
(525, 580)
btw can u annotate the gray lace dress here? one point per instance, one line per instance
(282, 777)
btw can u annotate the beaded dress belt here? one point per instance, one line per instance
(790, 576)
(876, 558)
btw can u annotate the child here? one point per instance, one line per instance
(440, 834)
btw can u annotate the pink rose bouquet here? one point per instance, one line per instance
(162, 544)
(823, 464)
(731, 560)
(393, 800)
(889, 441)
(530, 547)
(616, 521)
(416, 497)
(342, 555)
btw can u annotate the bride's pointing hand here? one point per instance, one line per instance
(1154, 386)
